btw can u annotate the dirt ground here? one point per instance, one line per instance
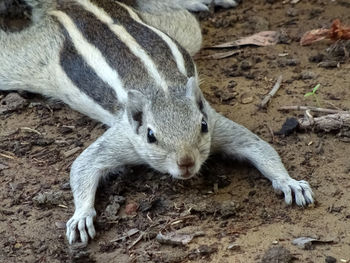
(234, 208)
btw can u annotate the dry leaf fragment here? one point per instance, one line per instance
(222, 55)
(262, 39)
(337, 31)
(174, 238)
(313, 36)
(306, 242)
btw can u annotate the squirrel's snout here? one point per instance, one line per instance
(185, 162)
(186, 165)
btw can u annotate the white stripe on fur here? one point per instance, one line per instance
(93, 57)
(128, 40)
(179, 59)
(78, 100)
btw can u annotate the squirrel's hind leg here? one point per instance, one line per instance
(180, 25)
(202, 5)
(159, 6)
(173, 18)
(191, 5)
(226, 3)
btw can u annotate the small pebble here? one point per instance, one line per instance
(60, 224)
(328, 64)
(316, 58)
(131, 208)
(65, 186)
(233, 246)
(206, 250)
(18, 246)
(12, 102)
(50, 198)
(3, 167)
(288, 62)
(66, 129)
(246, 64)
(277, 255)
(292, 12)
(111, 211)
(246, 98)
(330, 259)
(308, 75)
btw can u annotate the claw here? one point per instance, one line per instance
(288, 195)
(90, 227)
(81, 223)
(71, 233)
(301, 189)
(83, 235)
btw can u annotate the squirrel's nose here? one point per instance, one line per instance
(185, 162)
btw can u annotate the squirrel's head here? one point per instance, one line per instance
(172, 131)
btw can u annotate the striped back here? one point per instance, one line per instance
(109, 50)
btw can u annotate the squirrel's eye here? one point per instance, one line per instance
(204, 126)
(150, 136)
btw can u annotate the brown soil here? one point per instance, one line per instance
(230, 202)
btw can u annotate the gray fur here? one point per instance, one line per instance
(159, 6)
(26, 61)
(186, 30)
(150, 41)
(112, 48)
(85, 78)
(174, 114)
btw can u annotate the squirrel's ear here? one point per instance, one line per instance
(134, 107)
(193, 92)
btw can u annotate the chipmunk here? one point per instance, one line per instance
(128, 65)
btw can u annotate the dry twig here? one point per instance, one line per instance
(130, 233)
(271, 132)
(27, 129)
(174, 238)
(178, 220)
(325, 123)
(136, 241)
(7, 156)
(272, 92)
(71, 152)
(222, 55)
(316, 109)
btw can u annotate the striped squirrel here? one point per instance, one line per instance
(128, 64)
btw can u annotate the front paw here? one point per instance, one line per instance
(82, 222)
(303, 194)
